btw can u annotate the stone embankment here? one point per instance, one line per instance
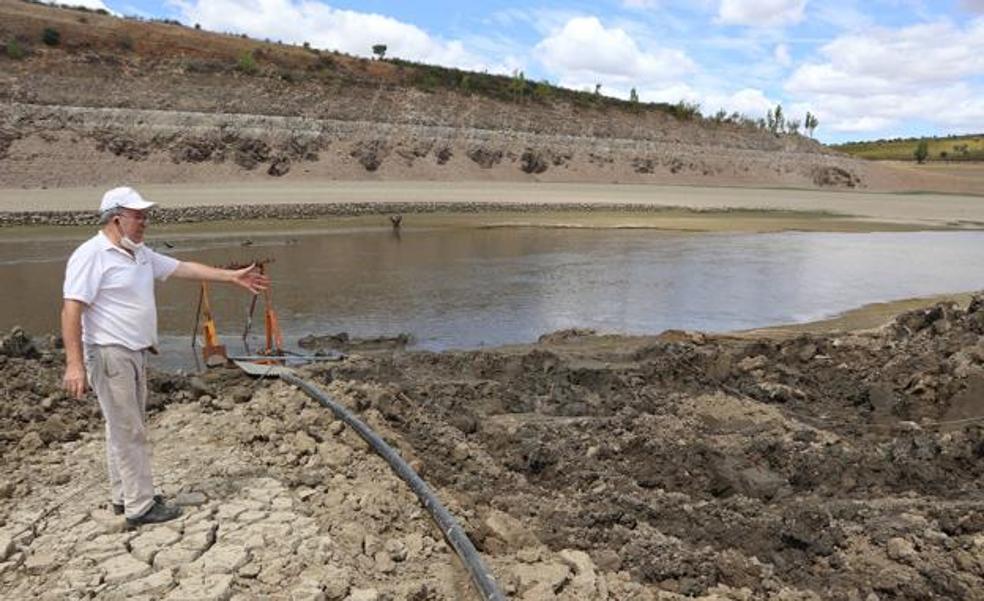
(44, 145)
(816, 466)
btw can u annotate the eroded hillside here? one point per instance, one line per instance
(160, 102)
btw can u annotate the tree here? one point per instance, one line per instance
(922, 151)
(793, 126)
(633, 96)
(518, 84)
(810, 123)
(379, 50)
(776, 121)
(597, 89)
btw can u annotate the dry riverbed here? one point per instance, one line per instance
(498, 203)
(816, 465)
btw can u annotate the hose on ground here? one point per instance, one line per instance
(452, 531)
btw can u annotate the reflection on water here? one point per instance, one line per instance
(455, 288)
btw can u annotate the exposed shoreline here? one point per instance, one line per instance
(510, 204)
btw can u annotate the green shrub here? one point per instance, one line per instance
(247, 63)
(686, 111)
(921, 152)
(50, 36)
(15, 50)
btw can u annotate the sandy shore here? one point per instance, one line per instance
(883, 209)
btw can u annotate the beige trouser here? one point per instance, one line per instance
(119, 378)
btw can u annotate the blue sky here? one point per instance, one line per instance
(868, 69)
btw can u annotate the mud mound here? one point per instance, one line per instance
(838, 466)
(695, 462)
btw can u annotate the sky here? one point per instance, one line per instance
(868, 69)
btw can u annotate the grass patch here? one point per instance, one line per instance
(950, 148)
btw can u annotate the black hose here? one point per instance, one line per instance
(453, 533)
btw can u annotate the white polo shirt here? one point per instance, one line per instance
(118, 290)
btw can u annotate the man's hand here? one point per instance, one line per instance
(252, 279)
(71, 318)
(74, 381)
(249, 278)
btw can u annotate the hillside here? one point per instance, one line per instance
(92, 99)
(949, 148)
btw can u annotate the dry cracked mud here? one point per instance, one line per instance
(844, 465)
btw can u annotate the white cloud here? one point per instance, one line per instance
(868, 82)
(976, 6)
(761, 13)
(747, 101)
(323, 26)
(92, 4)
(781, 54)
(584, 52)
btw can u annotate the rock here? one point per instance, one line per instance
(807, 352)
(42, 562)
(221, 559)
(756, 481)
(215, 587)
(250, 570)
(279, 167)
(509, 529)
(585, 580)
(753, 363)
(240, 394)
(551, 575)
(461, 451)
(31, 441)
(900, 549)
(781, 393)
(608, 560)
(384, 563)
(174, 557)
(152, 585)
(335, 582)
(124, 568)
(363, 594)
(532, 162)
(6, 546)
(304, 444)
(150, 542)
(396, 549)
(190, 499)
(104, 547)
(18, 344)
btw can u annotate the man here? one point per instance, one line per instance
(110, 312)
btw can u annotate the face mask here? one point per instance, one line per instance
(126, 242)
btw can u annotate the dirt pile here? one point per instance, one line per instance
(694, 462)
(835, 466)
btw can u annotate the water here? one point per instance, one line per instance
(467, 288)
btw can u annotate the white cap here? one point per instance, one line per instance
(124, 197)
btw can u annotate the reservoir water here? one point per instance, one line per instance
(467, 288)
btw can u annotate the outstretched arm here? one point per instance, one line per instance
(71, 322)
(249, 278)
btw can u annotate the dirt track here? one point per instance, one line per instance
(584, 467)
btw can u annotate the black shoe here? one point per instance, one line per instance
(118, 508)
(158, 513)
